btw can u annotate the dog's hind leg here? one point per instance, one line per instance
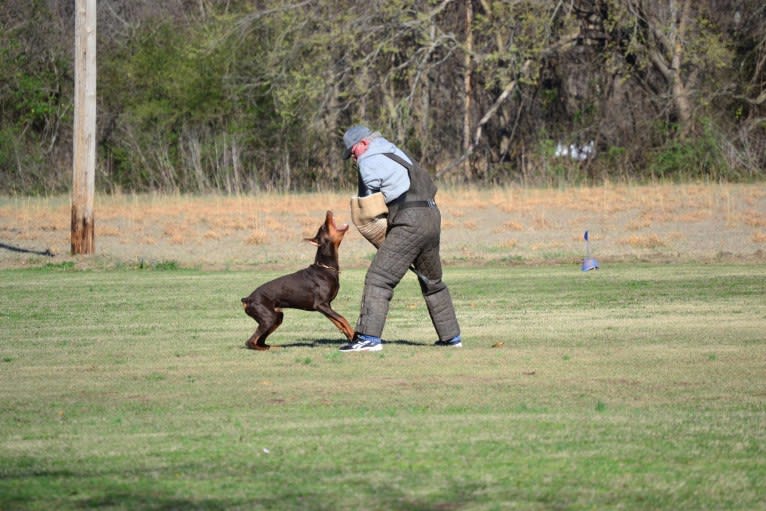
(277, 321)
(268, 320)
(257, 341)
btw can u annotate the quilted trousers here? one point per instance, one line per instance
(412, 242)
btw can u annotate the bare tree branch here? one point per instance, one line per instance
(485, 119)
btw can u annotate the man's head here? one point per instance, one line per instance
(353, 136)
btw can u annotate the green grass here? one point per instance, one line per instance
(631, 387)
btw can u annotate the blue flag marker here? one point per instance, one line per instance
(588, 263)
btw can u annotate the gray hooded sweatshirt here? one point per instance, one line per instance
(381, 174)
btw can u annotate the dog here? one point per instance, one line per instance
(310, 289)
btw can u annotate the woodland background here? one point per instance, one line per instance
(246, 96)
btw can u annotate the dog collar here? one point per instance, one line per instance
(327, 266)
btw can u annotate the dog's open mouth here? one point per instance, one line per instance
(331, 219)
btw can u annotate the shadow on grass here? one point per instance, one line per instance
(323, 343)
(94, 488)
(152, 503)
(384, 499)
(377, 497)
(319, 343)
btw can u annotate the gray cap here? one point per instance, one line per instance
(353, 136)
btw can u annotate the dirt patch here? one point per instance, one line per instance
(509, 225)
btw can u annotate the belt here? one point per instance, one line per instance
(430, 203)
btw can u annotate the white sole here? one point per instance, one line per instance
(377, 347)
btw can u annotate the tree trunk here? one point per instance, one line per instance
(668, 57)
(680, 90)
(467, 86)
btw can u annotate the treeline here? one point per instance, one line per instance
(249, 95)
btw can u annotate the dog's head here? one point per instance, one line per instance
(328, 232)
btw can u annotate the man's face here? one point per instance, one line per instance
(359, 148)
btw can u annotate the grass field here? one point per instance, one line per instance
(637, 386)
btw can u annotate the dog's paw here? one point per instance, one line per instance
(257, 347)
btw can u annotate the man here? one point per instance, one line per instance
(412, 239)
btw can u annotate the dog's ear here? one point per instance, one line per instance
(313, 241)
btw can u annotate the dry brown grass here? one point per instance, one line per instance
(109, 230)
(700, 220)
(548, 246)
(754, 219)
(509, 243)
(639, 223)
(647, 241)
(509, 226)
(256, 238)
(448, 224)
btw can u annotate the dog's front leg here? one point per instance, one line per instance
(337, 320)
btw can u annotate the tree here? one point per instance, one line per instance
(243, 96)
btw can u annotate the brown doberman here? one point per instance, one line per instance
(310, 289)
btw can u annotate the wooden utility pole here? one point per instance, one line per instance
(84, 160)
